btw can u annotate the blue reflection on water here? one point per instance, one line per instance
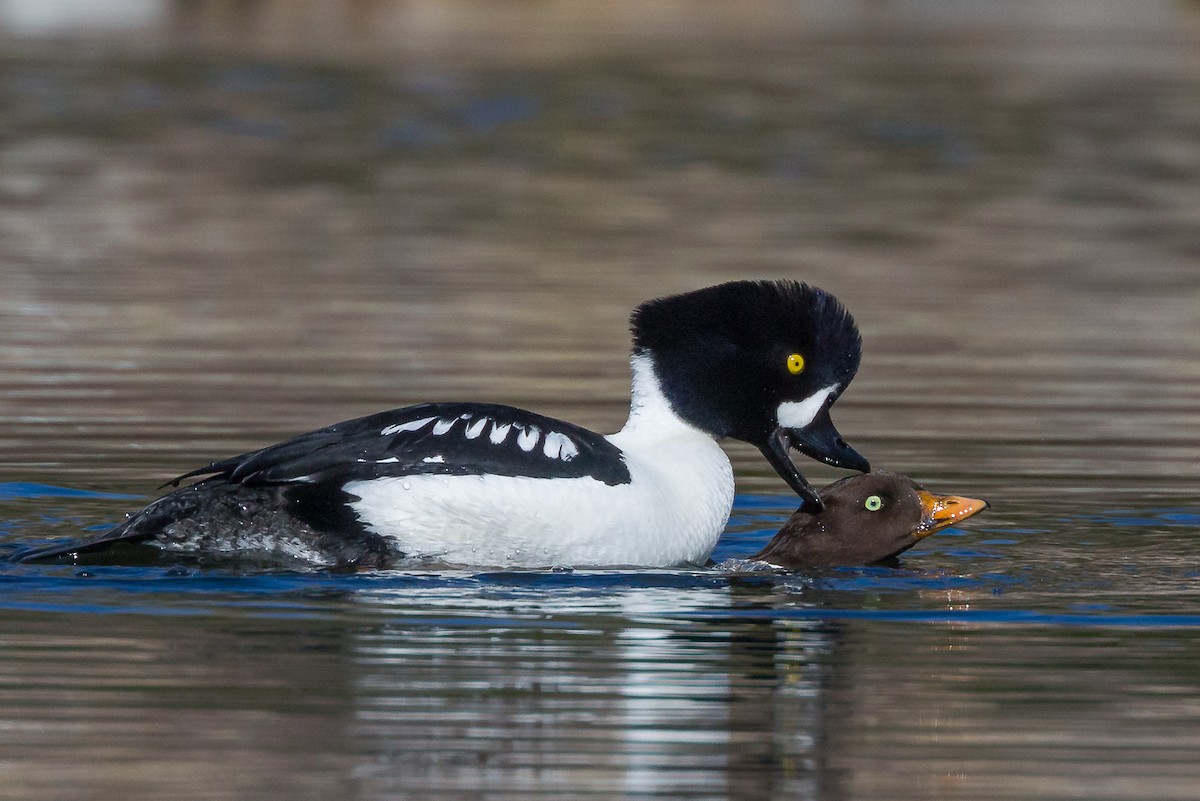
(10, 490)
(489, 114)
(942, 581)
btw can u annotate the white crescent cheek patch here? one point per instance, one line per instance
(798, 414)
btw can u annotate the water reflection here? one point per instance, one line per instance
(382, 694)
(970, 665)
(609, 707)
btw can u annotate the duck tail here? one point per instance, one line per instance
(136, 529)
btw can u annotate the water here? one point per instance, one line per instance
(203, 256)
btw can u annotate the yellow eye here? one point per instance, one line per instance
(874, 503)
(795, 364)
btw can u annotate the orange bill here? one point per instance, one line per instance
(939, 511)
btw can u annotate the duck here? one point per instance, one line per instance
(865, 519)
(483, 484)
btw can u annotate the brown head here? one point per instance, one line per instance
(867, 518)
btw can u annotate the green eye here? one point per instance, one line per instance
(874, 503)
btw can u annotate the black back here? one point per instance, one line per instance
(430, 438)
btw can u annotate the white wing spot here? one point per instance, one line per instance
(439, 459)
(411, 425)
(528, 438)
(559, 446)
(569, 451)
(476, 428)
(389, 460)
(499, 432)
(442, 426)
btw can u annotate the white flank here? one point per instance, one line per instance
(411, 425)
(671, 513)
(798, 414)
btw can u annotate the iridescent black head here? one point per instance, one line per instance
(759, 361)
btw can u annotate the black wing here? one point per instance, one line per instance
(431, 438)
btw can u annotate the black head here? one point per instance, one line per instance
(759, 361)
(867, 518)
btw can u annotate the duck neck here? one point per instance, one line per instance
(651, 416)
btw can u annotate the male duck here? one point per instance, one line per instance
(483, 484)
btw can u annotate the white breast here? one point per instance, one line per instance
(671, 512)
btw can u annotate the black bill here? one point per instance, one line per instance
(818, 440)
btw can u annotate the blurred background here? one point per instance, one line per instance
(223, 222)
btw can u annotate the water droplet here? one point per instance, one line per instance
(407, 485)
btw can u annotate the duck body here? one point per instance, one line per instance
(485, 484)
(866, 518)
(581, 498)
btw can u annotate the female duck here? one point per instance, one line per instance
(867, 518)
